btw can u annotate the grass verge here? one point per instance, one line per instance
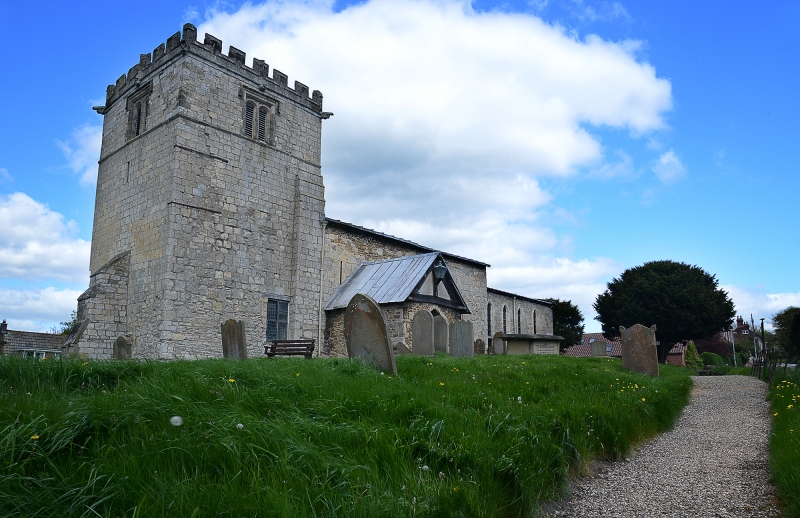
(785, 441)
(485, 436)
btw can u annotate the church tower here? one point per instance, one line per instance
(210, 205)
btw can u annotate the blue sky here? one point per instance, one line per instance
(562, 141)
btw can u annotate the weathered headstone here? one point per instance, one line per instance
(122, 348)
(440, 334)
(639, 352)
(498, 344)
(461, 345)
(599, 348)
(400, 348)
(366, 334)
(422, 333)
(234, 345)
(479, 346)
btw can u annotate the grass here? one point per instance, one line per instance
(486, 436)
(785, 440)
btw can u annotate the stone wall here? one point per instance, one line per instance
(102, 308)
(518, 306)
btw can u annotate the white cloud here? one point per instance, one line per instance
(82, 152)
(622, 168)
(603, 11)
(446, 121)
(759, 303)
(36, 243)
(37, 310)
(5, 176)
(668, 167)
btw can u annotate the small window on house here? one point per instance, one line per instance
(249, 111)
(489, 319)
(277, 319)
(519, 321)
(262, 124)
(534, 321)
(745, 332)
(505, 311)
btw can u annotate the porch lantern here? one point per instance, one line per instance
(439, 270)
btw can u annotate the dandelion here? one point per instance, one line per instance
(441, 384)
(643, 400)
(456, 489)
(176, 420)
(527, 382)
(35, 437)
(775, 414)
(381, 373)
(519, 399)
(239, 426)
(298, 375)
(788, 407)
(231, 380)
(85, 363)
(425, 468)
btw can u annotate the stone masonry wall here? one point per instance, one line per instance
(544, 315)
(104, 303)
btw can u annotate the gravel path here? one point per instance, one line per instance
(713, 463)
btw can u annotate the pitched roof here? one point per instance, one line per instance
(509, 294)
(389, 281)
(584, 349)
(25, 340)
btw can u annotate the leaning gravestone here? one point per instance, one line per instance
(234, 345)
(400, 349)
(122, 348)
(479, 346)
(639, 351)
(440, 334)
(599, 348)
(366, 334)
(422, 333)
(461, 345)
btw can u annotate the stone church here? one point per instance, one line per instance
(211, 205)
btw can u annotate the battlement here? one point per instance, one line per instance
(212, 46)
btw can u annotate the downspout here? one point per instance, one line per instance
(320, 316)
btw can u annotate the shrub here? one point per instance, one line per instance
(713, 359)
(693, 361)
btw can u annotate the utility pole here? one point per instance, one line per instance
(733, 344)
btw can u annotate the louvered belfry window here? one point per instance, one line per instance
(248, 119)
(137, 121)
(262, 123)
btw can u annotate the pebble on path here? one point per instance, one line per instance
(713, 463)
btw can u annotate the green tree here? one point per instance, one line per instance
(70, 325)
(787, 329)
(567, 322)
(685, 302)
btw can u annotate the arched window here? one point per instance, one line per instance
(534, 321)
(249, 111)
(519, 321)
(489, 319)
(505, 311)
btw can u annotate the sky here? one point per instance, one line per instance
(560, 141)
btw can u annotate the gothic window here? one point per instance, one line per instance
(489, 319)
(277, 319)
(249, 111)
(138, 109)
(519, 321)
(505, 310)
(534, 321)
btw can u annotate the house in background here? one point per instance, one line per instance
(595, 344)
(28, 344)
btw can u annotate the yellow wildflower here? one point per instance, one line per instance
(231, 380)
(441, 384)
(35, 437)
(643, 400)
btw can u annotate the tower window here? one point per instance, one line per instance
(258, 116)
(534, 321)
(249, 110)
(277, 319)
(519, 321)
(505, 310)
(489, 319)
(262, 124)
(138, 107)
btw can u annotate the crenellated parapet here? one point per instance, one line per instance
(212, 48)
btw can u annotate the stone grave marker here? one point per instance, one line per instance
(122, 347)
(422, 333)
(440, 334)
(498, 344)
(479, 346)
(234, 345)
(400, 348)
(639, 352)
(366, 334)
(461, 345)
(599, 348)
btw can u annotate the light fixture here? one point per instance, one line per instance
(439, 269)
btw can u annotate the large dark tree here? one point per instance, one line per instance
(567, 322)
(787, 329)
(685, 302)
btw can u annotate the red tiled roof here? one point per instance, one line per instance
(584, 349)
(25, 340)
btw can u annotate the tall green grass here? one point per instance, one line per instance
(785, 440)
(486, 436)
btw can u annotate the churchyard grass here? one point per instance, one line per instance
(785, 440)
(484, 436)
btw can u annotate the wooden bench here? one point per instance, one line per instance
(289, 348)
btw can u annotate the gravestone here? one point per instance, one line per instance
(498, 344)
(122, 348)
(440, 334)
(599, 348)
(400, 348)
(639, 351)
(422, 333)
(366, 334)
(461, 345)
(479, 346)
(234, 345)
